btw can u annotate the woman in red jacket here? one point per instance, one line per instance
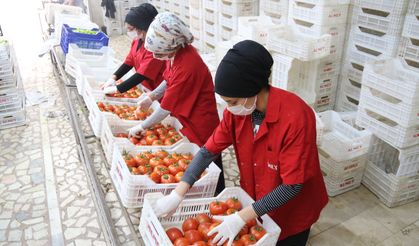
(188, 90)
(148, 70)
(274, 136)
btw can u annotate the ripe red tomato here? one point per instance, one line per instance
(150, 138)
(157, 143)
(145, 169)
(190, 224)
(155, 177)
(233, 202)
(142, 142)
(177, 156)
(169, 141)
(156, 161)
(244, 231)
(175, 168)
(135, 171)
(202, 218)
(141, 159)
(184, 164)
(230, 211)
(174, 233)
(199, 243)
(122, 135)
(148, 154)
(169, 160)
(248, 239)
(179, 176)
(181, 242)
(251, 223)
(236, 242)
(177, 137)
(213, 225)
(204, 228)
(161, 170)
(161, 131)
(149, 132)
(257, 231)
(193, 236)
(187, 156)
(168, 179)
(161, 153)
(101, 105)
(130, 161)
(218, 208)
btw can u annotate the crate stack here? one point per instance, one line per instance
(12, 96)
(389, 108)
(196, 22)
(409, 42)
(210, 25)
(317, 18)
(230, 11)
(376, 28)
(276, 9)
(342, 152)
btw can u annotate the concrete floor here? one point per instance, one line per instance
(44, 193)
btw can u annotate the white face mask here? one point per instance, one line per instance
(241, 109)
(132, 34)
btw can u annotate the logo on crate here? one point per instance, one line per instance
(353, 166)
(355, 148)
(347, 182)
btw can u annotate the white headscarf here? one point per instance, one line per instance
(166, 33)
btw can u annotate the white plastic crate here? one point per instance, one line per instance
(384, 22)
(341, 140)
(286, 41)
(392, 160)
(319, 129)
(341, 169)
(276, 9)
(210, 15)
(255, 28)
(413, 7)
(391, 190)
(409, 51)
(353, 70)
(13, 119)
(226, 33)
(318, 13)
(361, 54)
(385, 43)
(238, 8)
(211, 28)
(350, 86)
(132, 188)
(337, 186)
(229, 21)
(211, 4)
(153, 229)
(346, 102)
(11, 100)
(387, 129)
(398, 7)
(336, 31)
(391, 90)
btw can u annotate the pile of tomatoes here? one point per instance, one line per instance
(194, 230)
(159, 135)
(124, 111)
(160, 166)
(134, 92)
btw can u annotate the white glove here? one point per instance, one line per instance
(145, 102)
(110, 90)
(228, 229)
(167, 205)
(109, 82)
(135, 131)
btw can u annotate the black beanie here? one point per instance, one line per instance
(141, 17)
(244, 70)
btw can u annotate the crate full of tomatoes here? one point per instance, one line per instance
(136, 172)
(92, 89)
(120, 111)
(192, 221)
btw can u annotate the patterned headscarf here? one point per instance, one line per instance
(166, 33)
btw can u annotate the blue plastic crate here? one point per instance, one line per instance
(87, 41)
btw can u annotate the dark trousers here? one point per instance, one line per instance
(299, 239)
(221, 182)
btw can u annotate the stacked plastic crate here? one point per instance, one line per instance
(195, 22)
(389, 108)
(276, 9)
(210, 25)
(342, 152)
(230, 11)
(116, 26)
(12, 97)
(375, 34)
(316, 18)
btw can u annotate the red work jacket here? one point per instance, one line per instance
(144, 63)
(189, 95)
(283, 151)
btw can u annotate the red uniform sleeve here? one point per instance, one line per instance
(298, 156)
(149, 67)
(222, 136)
(129, 60)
